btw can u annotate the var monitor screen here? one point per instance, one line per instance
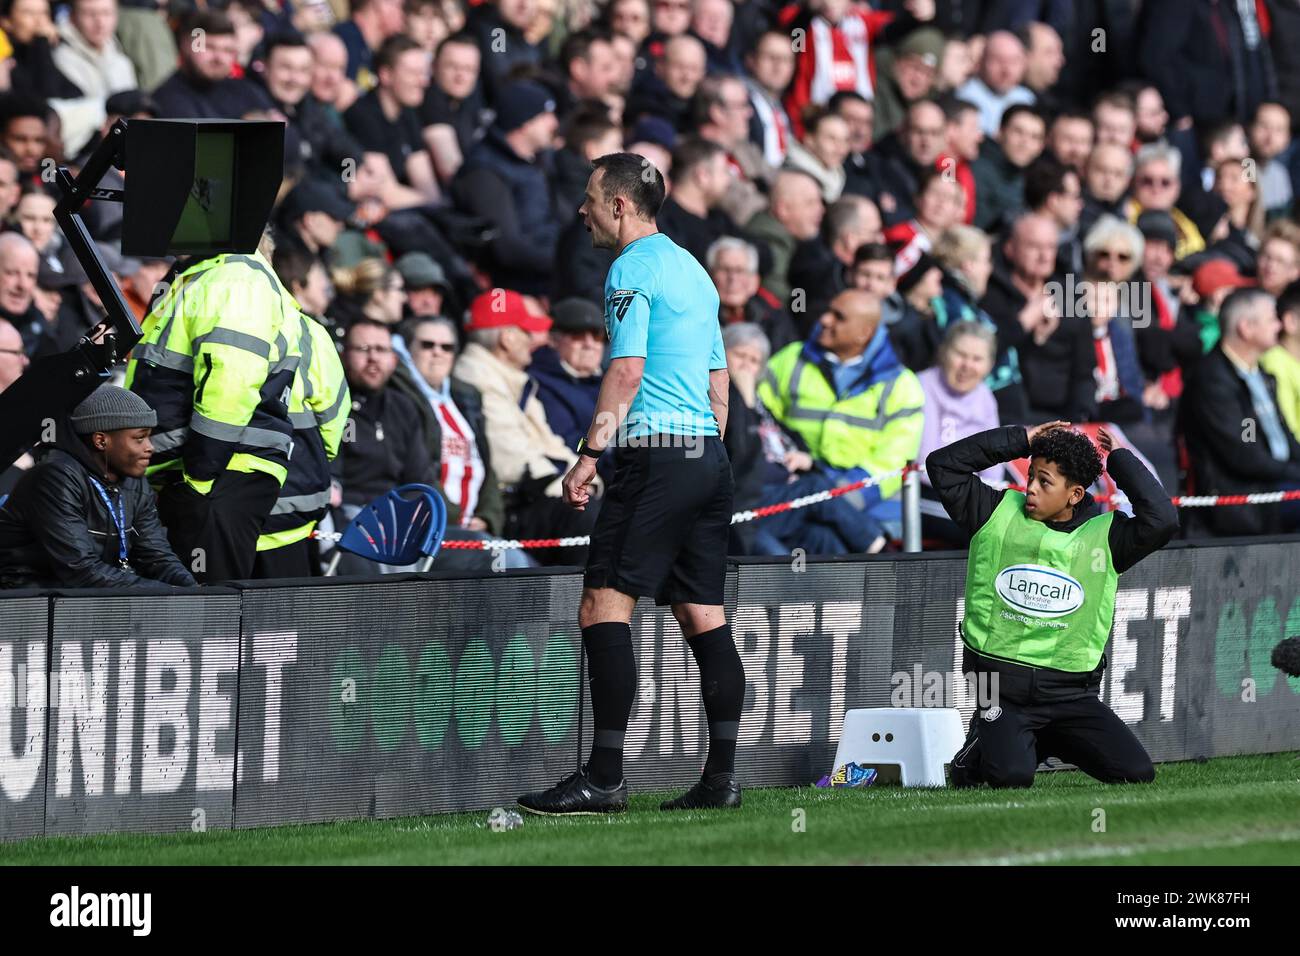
(199, 187)
(208, 213)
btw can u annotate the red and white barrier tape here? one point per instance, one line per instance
(753, 514)
(1217, 501)
(581, 541)
(1200, 501)
(739, 517)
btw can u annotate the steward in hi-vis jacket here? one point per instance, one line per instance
(217, 362)
(318, 410)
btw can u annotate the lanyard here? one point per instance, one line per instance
(119, 520)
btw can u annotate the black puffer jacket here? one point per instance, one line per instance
(55, 530)
(512, 195)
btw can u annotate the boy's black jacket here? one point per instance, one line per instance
(953, 472)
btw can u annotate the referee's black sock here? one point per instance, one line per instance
(722, 683)
(613, 689)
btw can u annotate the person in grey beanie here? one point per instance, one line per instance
(84, 516)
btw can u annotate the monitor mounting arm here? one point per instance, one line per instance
(52, 386)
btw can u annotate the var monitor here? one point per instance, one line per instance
(199, 187)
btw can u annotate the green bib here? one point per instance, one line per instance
(1036, 596)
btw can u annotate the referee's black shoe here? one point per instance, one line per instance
(576, 794)
(717, 791)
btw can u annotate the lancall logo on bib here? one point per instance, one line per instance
(1039, 591)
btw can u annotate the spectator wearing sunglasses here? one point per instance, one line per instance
(1156, 185)
(530, 459)
(457, 434)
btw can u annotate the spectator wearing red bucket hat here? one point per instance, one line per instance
(530, 460)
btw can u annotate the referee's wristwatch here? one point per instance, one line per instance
(587, 450)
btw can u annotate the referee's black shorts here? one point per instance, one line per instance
(664, 522)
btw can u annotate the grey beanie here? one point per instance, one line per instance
(109, 408)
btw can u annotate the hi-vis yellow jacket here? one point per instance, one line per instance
(318, 408)
(217, 363)
(872, 428)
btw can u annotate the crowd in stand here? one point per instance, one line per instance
(923, 218)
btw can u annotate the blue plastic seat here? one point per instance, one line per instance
(399, 527)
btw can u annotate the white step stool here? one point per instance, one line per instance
(919, 740)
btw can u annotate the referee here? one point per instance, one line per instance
(664, 520)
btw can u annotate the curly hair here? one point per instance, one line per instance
(1072, 452)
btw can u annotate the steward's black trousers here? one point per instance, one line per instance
(221, 527)
(1038, 714)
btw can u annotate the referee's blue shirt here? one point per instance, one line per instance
(661, 305)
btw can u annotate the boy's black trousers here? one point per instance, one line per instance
(1038, 714)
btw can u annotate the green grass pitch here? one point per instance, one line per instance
(1229, 811)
